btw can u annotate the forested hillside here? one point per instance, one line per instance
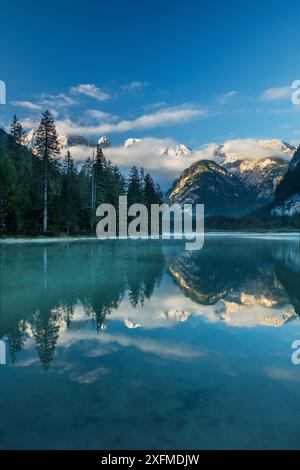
(44, 191)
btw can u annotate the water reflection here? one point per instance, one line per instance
(252, 282)
(41, 286)
(244, 283)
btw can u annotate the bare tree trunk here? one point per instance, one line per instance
(45, 218)
(93, 191)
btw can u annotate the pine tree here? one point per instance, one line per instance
(21, 159)
(150, 192)
(134, 189)
(84, 195)
(101, 177)
(142, 179)
(47, 149)
(16, 131)
(8, 195)
(159, 194)
(69, 197)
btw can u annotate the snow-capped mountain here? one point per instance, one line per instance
(66, 141)
(177, 151)
(260, 164)
(244, 173)
(256, 167)
(251, 149)
(161, 149)
(206, 182)
(104, 142)
(75, 140)
(29, 140)
(261, 176)
(131, 141)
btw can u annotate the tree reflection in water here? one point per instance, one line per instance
(41, 286)
(52, 280)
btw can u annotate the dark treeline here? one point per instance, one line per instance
(45, 191)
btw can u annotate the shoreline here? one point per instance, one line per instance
(66, 239)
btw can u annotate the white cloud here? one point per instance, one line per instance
(134, 86)
(90, 90)
(80, 152)
(223, 99)
(149, 154)
(57, 101)
(238, 149)
(162, 118)
(243, 149)
(229, 94)
(29, 123)
(153, 106)
(276, 94)
(100, 115)
(47, 101)
(28, 105)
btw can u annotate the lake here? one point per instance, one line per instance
(141, 344)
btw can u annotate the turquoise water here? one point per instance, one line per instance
(128, 345)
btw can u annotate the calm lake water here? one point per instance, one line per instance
(128, 345)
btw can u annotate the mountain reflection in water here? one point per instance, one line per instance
(47, 288)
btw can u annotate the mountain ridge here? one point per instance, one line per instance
(206, 182)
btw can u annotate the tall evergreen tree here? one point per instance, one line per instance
(16, 130)
(47, 149)
(22, 163)
(69, 197)
(150, 192)
(142, 179)
(101, 177)
(134, 189)
(8, 195)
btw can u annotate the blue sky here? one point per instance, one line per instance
(194, 71)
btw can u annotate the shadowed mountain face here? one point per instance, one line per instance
(234, 186)
(260, 176)
(287, 196)
(208, 183)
